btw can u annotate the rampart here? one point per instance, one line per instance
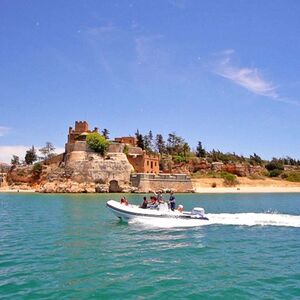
(144, 182)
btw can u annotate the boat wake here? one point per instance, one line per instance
(239, 219)
(253, 219)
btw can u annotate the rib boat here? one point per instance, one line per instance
(131, 211)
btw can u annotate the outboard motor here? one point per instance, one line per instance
(198, 213)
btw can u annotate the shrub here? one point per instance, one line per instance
(179, 159)
(97, 142)
(266, 173)
(274, 165)
(275, 173)
(37, 170)
(229, 179)
(293, 176)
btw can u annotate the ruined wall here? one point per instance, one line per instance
(115, 148)
(145, 183)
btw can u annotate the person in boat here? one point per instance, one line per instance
(145, 203)
(172, 201)
(124, 201)
(153, 200)
(159, 197)
(180, 208)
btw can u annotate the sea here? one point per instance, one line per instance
(69, 246)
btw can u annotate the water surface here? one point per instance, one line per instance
(71, 247)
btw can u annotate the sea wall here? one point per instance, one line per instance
(144, 182)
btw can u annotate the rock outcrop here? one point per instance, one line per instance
(204, 167)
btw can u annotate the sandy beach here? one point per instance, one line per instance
(204, 185)
(246, 185)
(16, 191)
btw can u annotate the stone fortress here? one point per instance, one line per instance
(138, 158)
(125, 168)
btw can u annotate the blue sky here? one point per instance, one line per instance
(226, 73)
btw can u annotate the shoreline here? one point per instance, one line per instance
(246, 190)
(205, 190)
(17, 191)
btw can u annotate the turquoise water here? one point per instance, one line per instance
(71, 247)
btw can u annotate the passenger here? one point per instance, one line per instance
(172, 201)
(180, 208)
(159, 197)
(145, 203)
(153, 200)
(124, 201)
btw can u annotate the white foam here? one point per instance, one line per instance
(252, 219)
(166, 223)
(240, 219)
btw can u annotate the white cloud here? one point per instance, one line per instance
(6, 152)
(4, 130)
(249, 78)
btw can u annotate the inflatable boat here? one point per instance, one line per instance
(130, 211)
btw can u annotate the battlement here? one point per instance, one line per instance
(81, 126)
(78, 134)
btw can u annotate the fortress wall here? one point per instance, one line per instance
(179, 183)
(115, 148)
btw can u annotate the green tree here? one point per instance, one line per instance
(47, 151)
(160, 144)
(274, 164)
(200, 151)
(140, 140)
(15, 161)
(185, 149)
(148, 142)
(175, 144)
(105, 133)
(97, 142)
(30, 156)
